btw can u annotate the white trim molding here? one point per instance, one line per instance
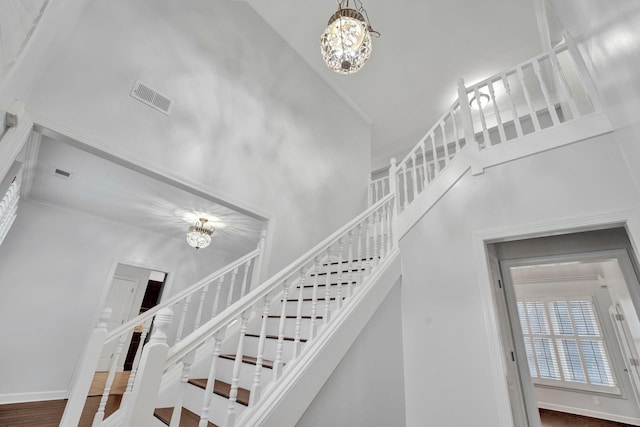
(35, 396)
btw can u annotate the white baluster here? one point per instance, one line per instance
(340, 268)
(384, 187)
(514, 111)
(543, 87)
(235, 378)
(256, 389)
(496, 111)
(455, 130)
(243, 289)
(375, 248)
(368, 242)
(278, 363)
(434, 154)
(203, 296)
(444, 143)
(383, 231)
(216, 300)
(360, 255)
(115, 357)
(256, 274)
(136, 362)
(564, 85)
(185, 309)
(187, 362)
(232, 286)
(327, 290)
(211, 379)
(425, 176)
(350, 255)
(485, 132)
(413, 175)
(296, 339)
(527, 97)
(390, 229)
(404, 181)
(314, 297)
(394, 183)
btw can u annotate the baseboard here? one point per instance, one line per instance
(32, 397)
(590, 413)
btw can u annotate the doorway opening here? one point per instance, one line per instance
(567, 307)
(133, 291)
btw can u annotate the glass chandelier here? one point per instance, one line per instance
(346, 43)
(199, 235)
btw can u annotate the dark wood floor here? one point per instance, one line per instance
(561, 419)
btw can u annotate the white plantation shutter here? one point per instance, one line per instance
(564, 343)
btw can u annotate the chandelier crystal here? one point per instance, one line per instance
(346, 43)
(199, 235)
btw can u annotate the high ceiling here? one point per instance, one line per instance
(425, 47)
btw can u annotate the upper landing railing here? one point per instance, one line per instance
(541, 93)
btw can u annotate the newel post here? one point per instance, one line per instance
(393, 189)
(86, 370)
(469, 133)
(142, 401)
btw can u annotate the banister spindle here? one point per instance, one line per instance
(444, 143)
(455, 130)
(483, 122)
(404, 184)
(434, 154)
(216, 300)
(187, 362)
(360, 254)
(314, 296)
(564, 85)
(211, 379)
(390, 228)
(339, 278)
(327, 289)
(243, 289)
(383, 231)
(527, 97)
(296, 339)
(278, 363)
(256, 388)
(350, 255)
(545, 93)
(203, 296)
(185, 309)
(414, 174)
(232, 286)
(375, 248)
(514, 111)
(425, 176)
(136, 362)
(368, 242)
(115, 357)
(235, 378)
(496, 111)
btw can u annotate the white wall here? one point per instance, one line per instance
(367, 387)
(446, 350)
(54, 267)
(251, 121)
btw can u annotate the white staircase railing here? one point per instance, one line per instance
(541, 93)
(300, 302)
(195, 305)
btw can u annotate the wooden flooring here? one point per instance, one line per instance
(561, 419)
(187, 418)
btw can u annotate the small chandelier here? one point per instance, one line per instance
(346, 43)
(199, 235)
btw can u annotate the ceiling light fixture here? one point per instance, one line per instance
(346, 43)
(199, 235)
(483, 99)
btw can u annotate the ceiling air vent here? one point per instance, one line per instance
(151, 97)
(62, 174)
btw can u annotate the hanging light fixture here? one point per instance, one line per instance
(346, 43)
(199, 235)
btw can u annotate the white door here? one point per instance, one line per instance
(120, 300)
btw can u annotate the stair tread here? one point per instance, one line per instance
(187, 419)
(347, 261)
(276, 316)
(324, 273)
(311, 285)
(275, 337)
(249, 360)
(222, 389)
(311, 299)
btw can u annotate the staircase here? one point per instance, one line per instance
(228, 352)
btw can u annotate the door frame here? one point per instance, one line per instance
(628, 219)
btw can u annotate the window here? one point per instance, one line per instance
(564, 344)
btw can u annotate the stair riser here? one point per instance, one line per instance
(307, 292)
(218, 412)
(291, 308)
(273, 327)
(224, 372)
(270, 348)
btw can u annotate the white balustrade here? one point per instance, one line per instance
(528, 98)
